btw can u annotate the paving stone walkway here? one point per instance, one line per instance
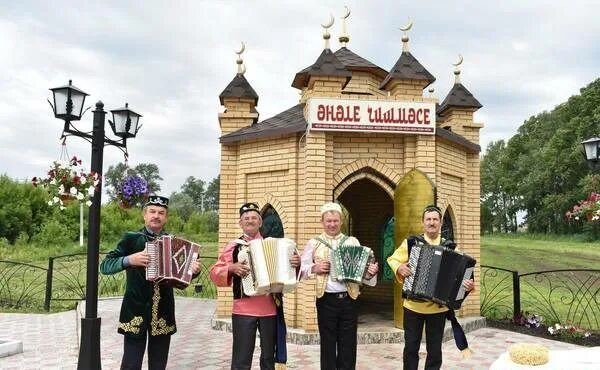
(50, 341)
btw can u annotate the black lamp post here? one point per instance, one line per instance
(68, 106)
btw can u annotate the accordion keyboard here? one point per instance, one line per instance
(152, 268)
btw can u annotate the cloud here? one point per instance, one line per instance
(170, 61)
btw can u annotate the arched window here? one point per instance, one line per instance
(447, 225)
(272, 226)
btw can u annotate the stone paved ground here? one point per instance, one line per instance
(50, 341)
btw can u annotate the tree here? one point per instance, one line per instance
(150, 173)
(194, 188)
(211, 196)
(23, 209)
(182, 204)
(115, 174)
(539, 170)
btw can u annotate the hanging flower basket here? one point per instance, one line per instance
(67, 182)
(133, 191)
(67, 198)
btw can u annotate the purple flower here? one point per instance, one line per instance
(133, 190)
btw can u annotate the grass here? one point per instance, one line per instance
(549, 294)
(521, 252)
(24, 286)
(528, 253)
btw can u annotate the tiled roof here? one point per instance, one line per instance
(326, 65)
(457, 139)
(287, 122)
(459, 96)
(239, 87)
(354, 62)
(408, 68)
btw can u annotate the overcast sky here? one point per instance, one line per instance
(170, 60)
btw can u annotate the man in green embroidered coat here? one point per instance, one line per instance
(148, 309)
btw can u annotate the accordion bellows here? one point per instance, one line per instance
(171, 261)
(270, 267)
(438, 274)
(349, 262)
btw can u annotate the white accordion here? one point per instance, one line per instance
(270, 267)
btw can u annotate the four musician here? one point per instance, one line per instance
(148, 309)
(337, 308)
(249, 313)
(422, 313)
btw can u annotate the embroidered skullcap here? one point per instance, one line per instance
(157, 200)
(328, 207)
(249, 207)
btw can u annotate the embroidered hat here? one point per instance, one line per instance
(157, 200)
(328, 207)
(249, 207)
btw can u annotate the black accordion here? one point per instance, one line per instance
(438, 273)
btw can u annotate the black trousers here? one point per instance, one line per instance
(158, 352)
(413, 331)
(337, 316)
(244, 337)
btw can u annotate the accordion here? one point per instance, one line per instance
(438, 274)
(349, 262)
(171, 260)
(270, 267)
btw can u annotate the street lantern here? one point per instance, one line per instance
(125, 122)
(68, 106)
(592, 149)
(68, 102)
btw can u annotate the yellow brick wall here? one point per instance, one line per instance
(296, 174)
(406, 88)
(237, 114)
(364, 83)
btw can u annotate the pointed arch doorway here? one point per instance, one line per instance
(367, 199)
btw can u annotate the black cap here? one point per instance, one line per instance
(157, 200)
(249, 207)
(432, 208)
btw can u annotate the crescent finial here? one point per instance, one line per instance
(329, 23)
(242, 48)
(459, 61)
(345, 16)
(408, 26)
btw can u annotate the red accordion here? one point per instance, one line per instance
(171, 261)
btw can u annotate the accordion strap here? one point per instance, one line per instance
(342, 241)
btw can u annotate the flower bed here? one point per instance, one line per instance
(592, 340)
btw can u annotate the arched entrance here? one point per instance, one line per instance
(370, 208)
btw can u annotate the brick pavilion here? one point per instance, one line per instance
(362, 136)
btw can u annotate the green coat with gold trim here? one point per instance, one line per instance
(146, 306)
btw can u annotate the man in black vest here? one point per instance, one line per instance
(148, 309)
(422, 313)
(249, 313)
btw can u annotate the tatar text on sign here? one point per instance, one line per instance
(371, 116)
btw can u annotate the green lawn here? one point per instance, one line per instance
(529, 253)
(558, 296)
